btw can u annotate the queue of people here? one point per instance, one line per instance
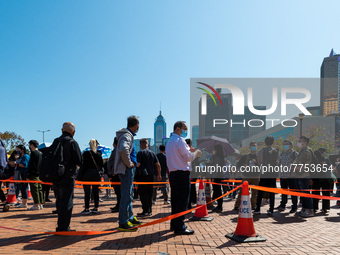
(173, 163)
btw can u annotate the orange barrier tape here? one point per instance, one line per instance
(232, 180)
(293, 193)
(86, 233)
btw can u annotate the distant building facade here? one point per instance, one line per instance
(159, 131)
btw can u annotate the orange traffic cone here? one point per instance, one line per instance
(201, 213)
(29, 194)
(245, 231)
(11, 197)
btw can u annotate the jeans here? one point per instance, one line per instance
(291, 184)
(23, 186)
(126, 188)
(95, 192)
(64, 191)
(271, 183)
(145, 193)
(180, 192)
(36, 190)
(303, 183)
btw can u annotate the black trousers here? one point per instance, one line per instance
(193, 192)
(116, 188)
(217, 193)
(288, 183)
(46, 191)
(271, 183)
(95, 193)
(180, 192)
(325, 187)
(2, 194)
(145, 193)
(64, 191)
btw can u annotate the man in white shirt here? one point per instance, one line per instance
(178, 162)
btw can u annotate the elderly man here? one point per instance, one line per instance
(64, 188)
(178, 161)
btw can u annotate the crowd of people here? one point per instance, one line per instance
(172, 164)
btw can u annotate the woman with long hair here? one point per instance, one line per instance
(91, 170)
(22, 166)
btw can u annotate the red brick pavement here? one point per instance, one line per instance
(285, 233)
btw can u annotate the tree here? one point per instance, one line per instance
(11, 140)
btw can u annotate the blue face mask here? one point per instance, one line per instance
(286, 147)
(19, 153)
(184, 133)
(253, 148)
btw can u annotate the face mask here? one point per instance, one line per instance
(19, 152)
(286, 147)
(253, 148)
(299, 145)
(184, 133)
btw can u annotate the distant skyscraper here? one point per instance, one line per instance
(238, 131)
(159, 131)
(330, 84)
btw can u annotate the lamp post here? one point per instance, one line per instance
(301, 115)
(43, 131)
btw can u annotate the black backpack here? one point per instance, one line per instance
(52, 167)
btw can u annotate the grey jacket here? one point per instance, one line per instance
(123, 151)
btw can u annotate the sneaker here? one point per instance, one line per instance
(324, 211)
(94, 210)
(135, 222)
(41, 207)
(257, 212)
(166, 202)
(307, 213)
(269, 213)
(34, 208)
(86, 211)
(48, 200)
(217, 210)
(127, 227)
(114, 209)
(21, 206)
(101, 200)
(153, 202)
(144, 214)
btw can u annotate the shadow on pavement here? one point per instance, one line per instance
(135, 241)
(333, 219)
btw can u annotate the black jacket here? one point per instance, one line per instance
(34, 164)
(91, 167)
(72, 154)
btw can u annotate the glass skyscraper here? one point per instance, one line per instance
(159, 131)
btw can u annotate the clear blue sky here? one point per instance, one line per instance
(96, 62)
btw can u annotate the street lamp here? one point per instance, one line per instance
(301, 115)
(43, 131)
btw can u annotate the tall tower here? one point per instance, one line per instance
(159, 131)
(330, 84)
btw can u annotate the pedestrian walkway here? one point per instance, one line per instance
(285, 233)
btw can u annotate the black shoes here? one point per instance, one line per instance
(217, 210)
(144, 214)
(114, 209)
(55, 212)
(48, 200)
(293, 210)
(184, 232)
(281, 208)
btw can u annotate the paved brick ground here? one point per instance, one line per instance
(285, 233)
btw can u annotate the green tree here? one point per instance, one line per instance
(11, 140)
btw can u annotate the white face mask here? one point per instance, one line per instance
(299, 145)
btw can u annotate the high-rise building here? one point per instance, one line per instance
(330, 84)
(194, 135)
(159, 131)
(239, 129)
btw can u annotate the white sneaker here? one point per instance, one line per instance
(166, 202)
(34, 208)
(21, 206)
(41, 207)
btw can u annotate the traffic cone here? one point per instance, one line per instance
(208, 195)
(245, 231)
(201, 213)
(11, 197)
(29, 194)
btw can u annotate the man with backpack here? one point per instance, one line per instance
(287, 157)
(64, 179)
(305, 159)
(267, 157)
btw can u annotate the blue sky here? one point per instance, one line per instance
(96, 62)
